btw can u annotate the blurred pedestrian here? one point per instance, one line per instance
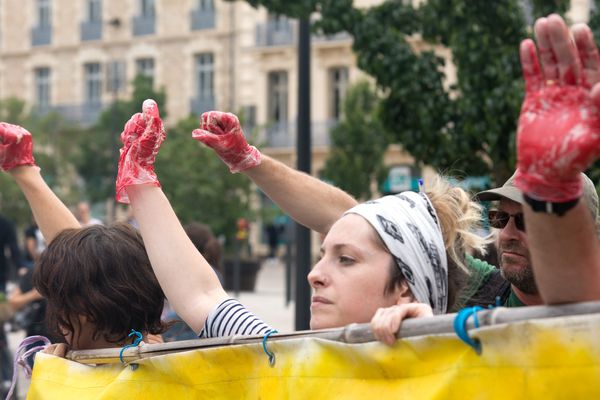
(8, 241)
(273, 232)
(34, 244)
(84, 215)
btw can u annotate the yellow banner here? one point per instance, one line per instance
(541, 359)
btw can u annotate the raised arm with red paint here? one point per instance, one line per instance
(142, 137)
(187, 279)
(559, 127)
(16, 158)
(558, 138)
(309, 201)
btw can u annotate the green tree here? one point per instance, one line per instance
(53, 150)
(468, 126)
(198, 184)
(356, 158)
(471, 125)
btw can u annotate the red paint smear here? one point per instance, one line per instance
(222, 132)
(550, 154)
(16, 146)
(142, 137)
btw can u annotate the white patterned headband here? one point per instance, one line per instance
(408, 225)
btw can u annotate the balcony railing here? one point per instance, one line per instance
(90, 30)
(284, 33)
(283, 135)
(41, 35)
(275, 33)
(200, 105)
(332, 38)
(200, 19)
(82, 114)
(144, 25)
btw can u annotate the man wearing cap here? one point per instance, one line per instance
(512, 244)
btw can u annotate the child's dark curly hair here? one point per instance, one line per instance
(102, 274)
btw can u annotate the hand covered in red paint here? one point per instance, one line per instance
(142, 136)
(559, 127)
(16, 147)
(386, 321)
(222, 132)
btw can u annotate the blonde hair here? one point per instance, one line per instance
(459, 218)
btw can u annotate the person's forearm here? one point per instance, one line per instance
(51, 215)
(311, 202)
(189, 282)
(19, 300)
(565, 254)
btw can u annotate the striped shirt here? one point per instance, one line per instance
(232, 318)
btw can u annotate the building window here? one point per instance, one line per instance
(94, 11)
(42, 88)
(115, 76)
(206, 5)
(204, 95)
(204, 76)
(144, 23)
(91, 26)
(278, 22)
(147, 8)
(43, 14)
(203, 16)
(41, 33)
(276, 32)
(93, 83)
(278, 98)
(338, 84)
(145, 67)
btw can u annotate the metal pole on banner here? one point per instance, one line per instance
(303, 152)
(289, 262)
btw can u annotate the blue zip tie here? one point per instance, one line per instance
(135, 343)
(267, 352)
(498, 302)
(460, 326)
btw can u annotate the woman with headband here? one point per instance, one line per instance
(403, 255)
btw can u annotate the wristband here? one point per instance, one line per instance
(550, 207)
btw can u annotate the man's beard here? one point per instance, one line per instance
(521, 278)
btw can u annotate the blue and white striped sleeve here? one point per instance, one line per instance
(232, 318)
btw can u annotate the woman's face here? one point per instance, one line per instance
(349, 280)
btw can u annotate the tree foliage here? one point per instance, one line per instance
(356, 158)
(53, 150)
(198, 184)
(76, 162)
(468, 126)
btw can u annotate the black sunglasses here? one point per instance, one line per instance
(498, 219)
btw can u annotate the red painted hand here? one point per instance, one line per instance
(142, 136)
(559, 127)
(222, 132)
(16, 147)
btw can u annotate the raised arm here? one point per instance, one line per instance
(311, 202)
(558, 138)
(16, 157)
(187, 279)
